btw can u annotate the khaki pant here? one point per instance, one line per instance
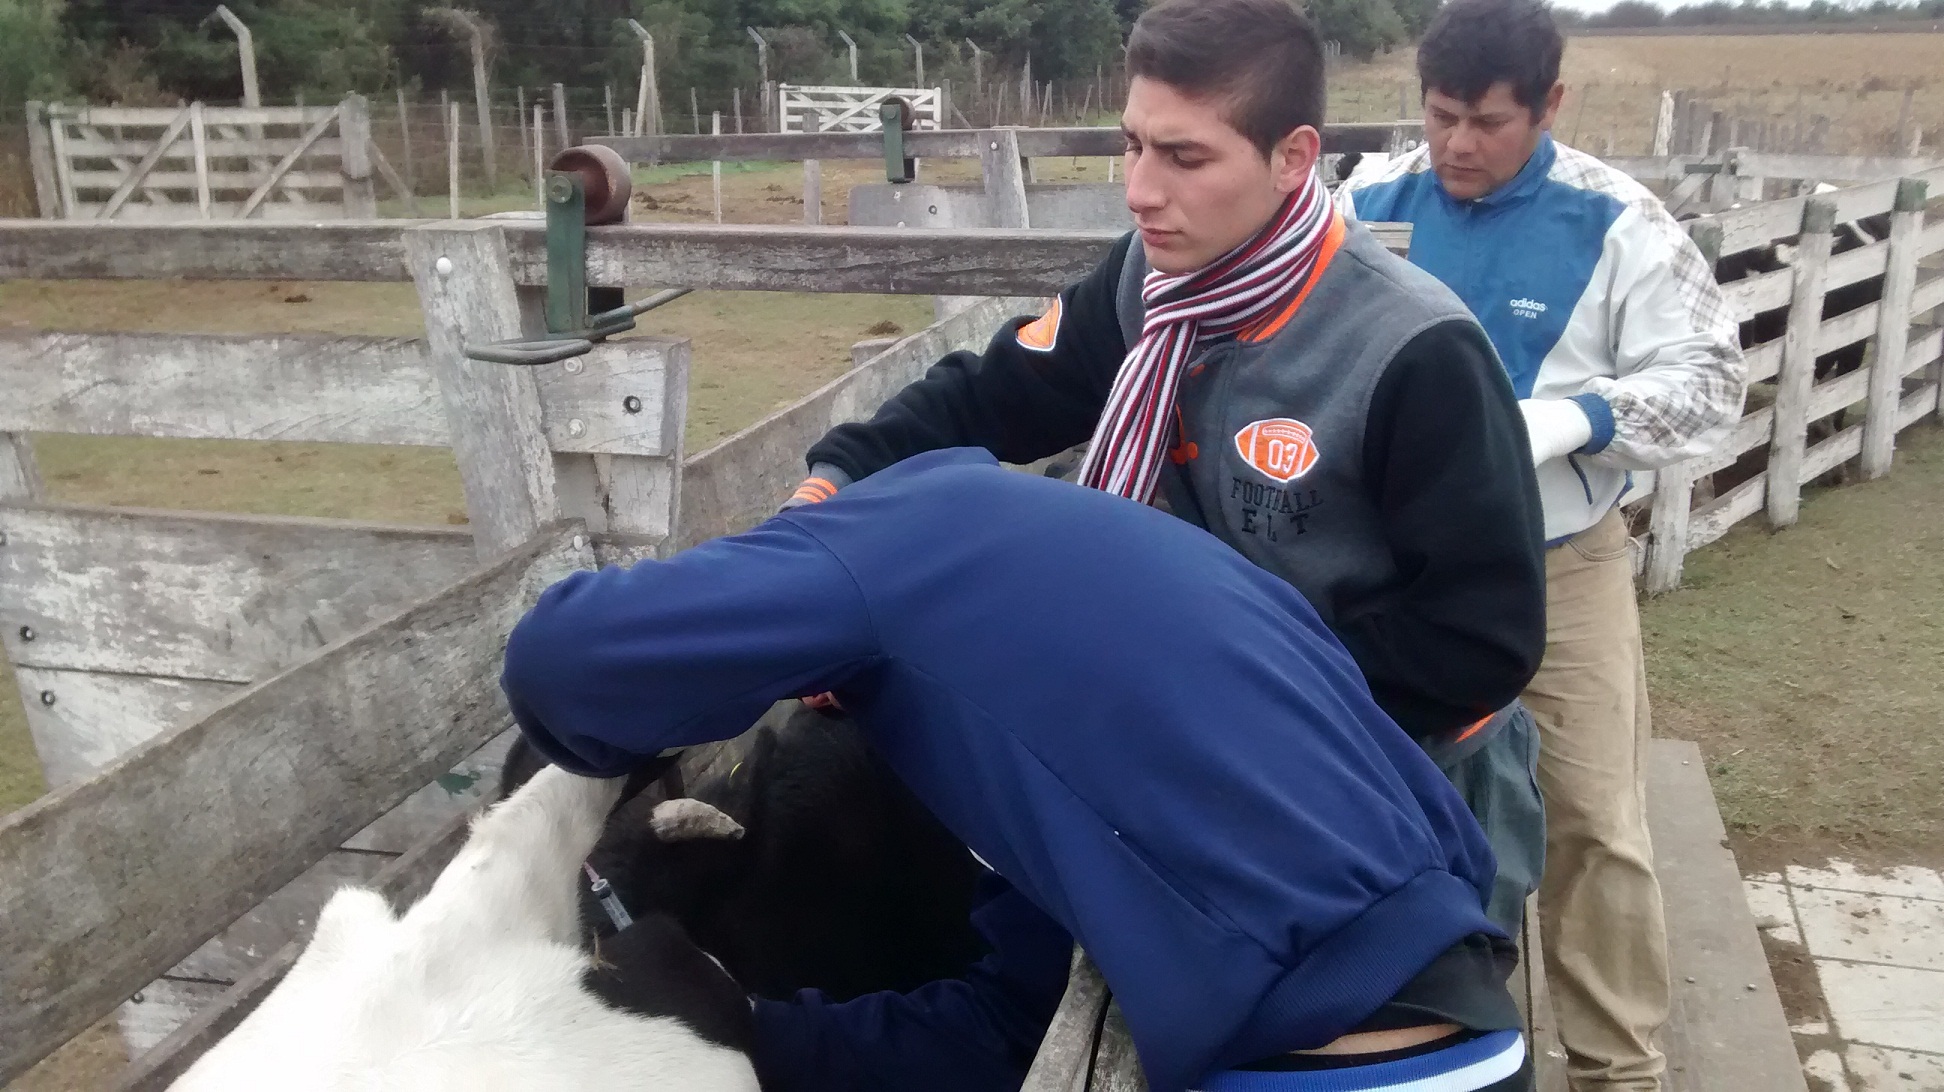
(1599, 903)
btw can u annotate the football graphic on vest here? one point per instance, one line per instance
(1041, 333)
(1280, 447)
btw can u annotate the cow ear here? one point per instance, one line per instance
(686, 819)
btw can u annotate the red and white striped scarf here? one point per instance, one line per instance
(1219, 299)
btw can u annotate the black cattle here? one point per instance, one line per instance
(839, 879)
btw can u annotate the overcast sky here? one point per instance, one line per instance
(1602, 5)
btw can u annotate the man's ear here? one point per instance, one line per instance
(1553, 98)
(1294, 157)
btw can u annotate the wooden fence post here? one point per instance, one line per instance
(464, 276)
(63, 165)
(1667, 521)
(813, 191)
(1747, 188)
(1697, 134)
(354, 134)
(405, 143)
(1663, 125)
(715, 168)
(1796, 383)
(1005, 200)
(520, 123)
(199, 145)
(539, 157)
(562, 131)
(19, 476)
(452, 159)
(1893, 329)
(1005, 179)
(40, 156)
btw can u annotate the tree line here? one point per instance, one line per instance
(152, 52)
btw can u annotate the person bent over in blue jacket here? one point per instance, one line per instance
(1158, 744)
(974, 1033)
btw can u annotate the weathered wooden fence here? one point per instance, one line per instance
(1896, 386)
(227, 712)
(1737, 176)
(1688, 123)
(240, 712)
(204, 163)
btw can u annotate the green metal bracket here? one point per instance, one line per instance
(566, 253)
(894, 115)
(573, 330)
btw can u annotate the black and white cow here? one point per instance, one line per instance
(483, 985)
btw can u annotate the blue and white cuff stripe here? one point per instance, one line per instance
(1464, 1067)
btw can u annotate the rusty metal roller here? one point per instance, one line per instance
(605, 179)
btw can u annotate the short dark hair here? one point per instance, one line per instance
(1262, 56)
(1473, 44)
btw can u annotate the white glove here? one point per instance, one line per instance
(1556, 427)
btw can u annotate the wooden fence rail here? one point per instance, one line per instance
(724, 257)
(251, 598)
(94, 896)
(944, 143)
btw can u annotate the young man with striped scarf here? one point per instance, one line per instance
(1264, 369)
(1259, 366)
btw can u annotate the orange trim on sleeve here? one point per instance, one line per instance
(1332, 242)
(1473, 729)
(815, 490)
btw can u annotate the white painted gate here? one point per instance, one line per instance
(853, 109)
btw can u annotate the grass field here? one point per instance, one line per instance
(1805, 663)
(1614, 84)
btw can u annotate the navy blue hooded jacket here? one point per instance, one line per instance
(1158, 743)
(977, 1032)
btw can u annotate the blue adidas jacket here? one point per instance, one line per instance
(1158, 743)
(1591, 293)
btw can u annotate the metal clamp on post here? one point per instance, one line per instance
(585, 186)
(895, 118)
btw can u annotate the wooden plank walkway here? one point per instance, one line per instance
(1727, 1029)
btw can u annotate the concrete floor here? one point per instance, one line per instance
(1877, 945)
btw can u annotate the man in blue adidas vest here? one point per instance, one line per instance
(1626, 359)
(1156, 742)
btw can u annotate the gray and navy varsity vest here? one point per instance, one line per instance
(1269, 453)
